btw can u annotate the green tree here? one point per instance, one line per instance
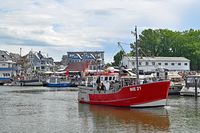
(118, 58)
(164, 42)
(149, 41)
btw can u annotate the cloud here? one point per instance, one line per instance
(78, 24)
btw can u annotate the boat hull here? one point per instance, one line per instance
(59, 85)
(4, 80)
(175, 90)
(144, 95)
(189, 91)
(34, 82)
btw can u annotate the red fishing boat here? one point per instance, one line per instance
(110, 88)
(123, 93)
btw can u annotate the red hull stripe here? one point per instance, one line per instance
(117, 100)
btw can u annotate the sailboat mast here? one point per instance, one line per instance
(136, 57)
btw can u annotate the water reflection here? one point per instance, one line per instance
(109, 119)
(41, 90)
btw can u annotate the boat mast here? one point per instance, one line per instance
(136, 57)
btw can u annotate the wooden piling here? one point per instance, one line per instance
(196, 88)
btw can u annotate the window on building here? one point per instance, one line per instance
(147, 63)
(179, 64)
(166, 64)
(133, 63)
(185, 64)
(140, 63)
(110, 78)
(172, 64)
(153, 63)
(31, 56)
(159, 63)
(6, 74)
(42, 62)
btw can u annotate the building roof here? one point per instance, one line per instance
(88, 56)
(79, 66)
(4, 55)
(85, 52)
(159, 58)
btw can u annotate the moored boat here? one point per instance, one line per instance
(56, 81)
(106, 89)
(176, 83)
(124, 94)
(30, 82)
(189, 87)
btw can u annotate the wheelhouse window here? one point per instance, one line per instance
(166, 64)
(94, 68)
(179, 64)
(185, 64)
(159, 63)
(172, 64)
(106, 78)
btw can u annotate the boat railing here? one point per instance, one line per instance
(114, 87)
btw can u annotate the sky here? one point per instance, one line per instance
(58, 26)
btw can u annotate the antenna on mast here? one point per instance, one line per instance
(20, 52)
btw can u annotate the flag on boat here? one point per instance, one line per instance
(67, 73)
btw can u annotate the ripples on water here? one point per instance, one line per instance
(39, 109)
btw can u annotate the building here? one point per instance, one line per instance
(87, 56)
(150, 64)
(15, 57)
(80, 62)
(7, 71)
(4, 56)
(8, 67)
(36, 61)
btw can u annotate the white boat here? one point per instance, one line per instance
(30, 82)
(189, 87)
(176, 83)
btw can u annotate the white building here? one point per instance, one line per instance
(149, 64)
(39, 62)
(7, 70)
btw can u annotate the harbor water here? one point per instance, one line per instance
(44, 110)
